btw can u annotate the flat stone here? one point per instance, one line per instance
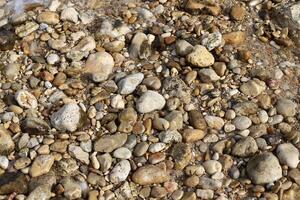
(79, 154)
(286, 107)
(122, 153)
(193, 135)
(109, 143)
(48, 17)
(85, 44)
(208, 75)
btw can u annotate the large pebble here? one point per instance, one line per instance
(286, 107)
(242, 122)
(264, 168)
(150, 174)
(26, 100)
(120, 172)
(150, 101)
(41, 165)
(245, 147)
(48, 17)
(67, 118)
(288, 155)
(212, 166)
(253, 87)
(137, 44)
(108, 143)
(69, 14)
(79, 154)
(214, 122)
(122, 153)
(99, 66)
(183, 47)
(200, 57)
(128, 84)
(7, 145)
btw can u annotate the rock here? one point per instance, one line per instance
(161, 124)
(176, 87)
(11, 71)
(86, 44)
(193, 135)
(48, 17)
(114, 46)
(235, 38)
(209, 184)
(33, 125)
(72, 189)
(122, 153)
(13, 182)
(208, 75)
(182, 155)
(286, 107)
(292, 193)
(99, 66)
(253, 87)
(4, 162)
(105, 161)
(264, 168)
(205, 194)
(57, 44)
(242, 122)
(117, 102)
(109, 143)
(69, 14)
(67, 118)
(245, 108)
(212, 166)
(79, 154)
(212, 40)
(120, 172)
(136, 46)
(200, 57)
(21, 163)
(214, 122)
(7, 145)
(150, 174)
(52, 59)
(150, 101)
(40, 192)
(152, 82)
(197, 120)
(288, 155)
(238, 12)
(128, 84)
(175, 120)
(157, 147)
(127, 118)
(26, 29)
(183, 48)
(245, 147)
(170, 136)
(26, 100)
(41, 165)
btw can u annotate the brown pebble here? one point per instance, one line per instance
(238, 12)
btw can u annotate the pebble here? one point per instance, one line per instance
(238, 12)
(212, 41)
(245, 147)
(212, 166)
(150, 101)
(99, 66)
(286, 107)
(11, 71)
(264, 168)
(170, 136)
(128, 84)
(183, 48)
(26, 100)
(150, 174)
(136, 47)
(67, 118)
(105, 161)
(7, 145)
(193, 135)
(242, 122)
(109, 143)
(205, 194)
(253, 87)
(214, 122)
(200, 57)
(41, 165)
(69, 14)
(117, 101)
(208, 75)
(48, 17)
(120, 172)
(140, 149)
(4, 162)
(288, 155)
(122, 153)
(197, 120)
(79, 154)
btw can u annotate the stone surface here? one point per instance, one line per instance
(120, 172)
(286, 107)
(7, 145)
(288, 155)
(200, 57)
(67, 118)
(150, 174)
(25, 99)
(129, 83)
(245, 147)
(264, 168)
(150, 101)
(109, 143)
(41, 165)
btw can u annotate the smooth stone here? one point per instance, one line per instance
(128, 84)
(288, 155)
(26, 100)
(105, 161)
(150, 174)
(122, 153)
(69, 14)
(109, 143)
(183, 48)
(242, 122)
(245, 147)
(214, 122)
(41, 165)
(200, 57)
(33, 125)
(136, 44)
(212, 166)
(79, 154)
(286, 107)
(11, 71)
(150, 101)
(170, 136)
(208, 75)
(7, 145)
(193, 135)
(197, 120)
(47, 17)
(253, 87)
